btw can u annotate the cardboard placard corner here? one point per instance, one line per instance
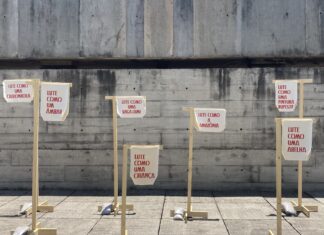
(131, 106)
(297, 138)
(144, 164)
(55, 99)
(17, 91)
(286, 95)
(210, 119)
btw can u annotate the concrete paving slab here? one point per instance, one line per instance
(134, 227)
(197, 196)
(256, 227)
(54, 197)
(308, 226)
(52, 200)
(211, 208)
(240, 199)
(248, 214)
(98, 200)
(171, 227)
(314, 215)
(11, 209)
(319, 196)
(10, 224)
(145, 196)
(6, 196)
(306, 200)
(246, 211)
(142, 198)
(143, 210)
(77, 210)
(69, 226)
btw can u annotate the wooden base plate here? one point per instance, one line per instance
(42, 207)
(192, 215)
(306, 210)
(129, 207)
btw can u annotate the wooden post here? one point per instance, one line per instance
(115, 144)
(36, 229)
(124, 190)
(189, 214)
(116, 205)
(114, 117)
(299, 205)
(278, 175)
(300, 163)
(115, 154)
(35, 177)
(191, 124)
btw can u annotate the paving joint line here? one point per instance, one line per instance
(220, 213)
(91, 229)
(162, 212)
(283, 217)
(311, 196)
(43, 214)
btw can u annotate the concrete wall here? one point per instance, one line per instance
(161, 28)
(77, 153)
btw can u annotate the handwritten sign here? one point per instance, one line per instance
(17, 91)
(286, 95)
(55, 99)
(210, 120)
(297, 139)
(131, 106)
(144, 164)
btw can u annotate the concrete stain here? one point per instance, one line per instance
(321, 26)
(246, 12)
(220, 78)
(107, 80)
(319, 75)
(261, 86)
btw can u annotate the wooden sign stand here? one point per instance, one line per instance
(189, 214)
(299, 207)
(126, 147)
(278, 177)
(116, 207)
(36, 228)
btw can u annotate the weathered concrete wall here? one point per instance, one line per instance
(77, 153)
(161, 28)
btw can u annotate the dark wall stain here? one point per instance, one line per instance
(246, 12)
(234, 7)
(220, 78)
(321, 24)
(107, 80)
(224, 82)
(83, 91)
(319, 75)
(261, 86)
(71, 76)
(183, 28)
(287, 73)
(213, 83)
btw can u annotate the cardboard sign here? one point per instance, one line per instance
(210, 120)
(286, 95)
(144, 164)
(297, 139)
(131, 106)
(17, 91)
(55, 99)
